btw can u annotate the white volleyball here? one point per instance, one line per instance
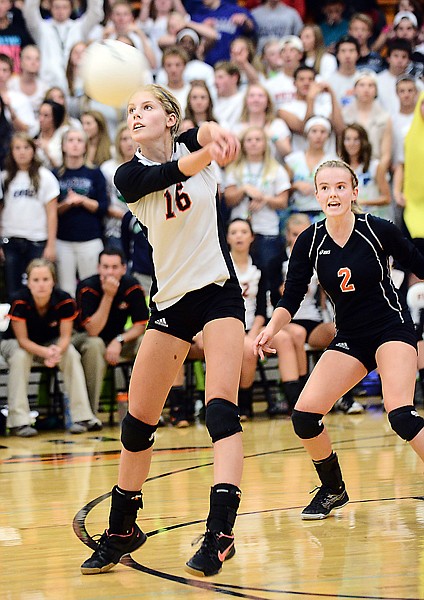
(112, 71)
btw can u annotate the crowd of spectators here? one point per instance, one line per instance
(300, 82)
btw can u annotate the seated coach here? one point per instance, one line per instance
(105, 303)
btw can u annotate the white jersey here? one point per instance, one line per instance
(253, 292)
(24, 213)
(180, 216)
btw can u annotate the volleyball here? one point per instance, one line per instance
(112, 71)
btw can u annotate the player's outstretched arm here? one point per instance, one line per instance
(196, 161)
(226, 145)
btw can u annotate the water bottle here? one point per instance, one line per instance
(122, 400)
(67, 418)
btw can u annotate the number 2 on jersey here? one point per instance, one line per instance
(345, 286)
(182, 201)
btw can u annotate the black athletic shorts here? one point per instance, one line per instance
(307, 324)
(364, 348)
(190, 314)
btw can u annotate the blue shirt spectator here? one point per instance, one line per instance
(229, 20)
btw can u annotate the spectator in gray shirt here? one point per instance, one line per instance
(275, 19)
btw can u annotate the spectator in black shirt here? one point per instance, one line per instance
(40, 333)
(14, 34)
(106, 301)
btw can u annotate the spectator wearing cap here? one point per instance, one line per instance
(275, 20)
(281, 86)
(195, 69)
(342, 81)
(230, 21)
(405, 26)
(368, 112)
(361, 28)
(398, 58)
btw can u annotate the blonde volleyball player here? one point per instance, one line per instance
(170, 188)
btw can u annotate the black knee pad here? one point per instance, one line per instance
(136, 435)
(222, 419)
(406, 422)
(307, 425)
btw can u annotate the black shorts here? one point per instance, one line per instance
(364, 348)
(190, 314)
(307, 324)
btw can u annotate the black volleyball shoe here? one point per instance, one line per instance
(110, 549)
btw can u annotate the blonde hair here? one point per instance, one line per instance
(169, 103)
(41, 262)
(340, 164)
(102, 153)
(363, 18)
(61, 170)
(319, 48)
(270, 165)
(269, 110)
(121, 128)
(297, 219)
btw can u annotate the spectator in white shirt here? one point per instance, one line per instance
(174, 60)
(29, 81)
(229, 101)
(56, 36)
(343, 80)
(281, 86)
(17, 107)
(407, 93)
(324, 63)
(195, 69)
(122, 22)
(398, 58)
(258, 111)
(312, 98)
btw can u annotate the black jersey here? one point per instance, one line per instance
(356, 277)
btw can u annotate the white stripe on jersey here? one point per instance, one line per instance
(397, 309)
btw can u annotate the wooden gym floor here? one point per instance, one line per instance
(54, 495)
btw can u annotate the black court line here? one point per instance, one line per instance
(219, 588)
